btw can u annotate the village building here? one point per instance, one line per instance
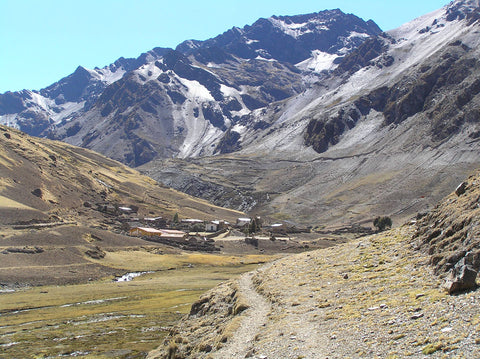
(145, 231)
(157, 222)
(215, 226)
(242, 222)
(192, 224)
(191, 221)
(211, 227)
(173, 234)
(278, 228)
(162, 233)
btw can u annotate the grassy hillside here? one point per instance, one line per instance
(49, 217)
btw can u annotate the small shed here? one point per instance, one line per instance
(278, 228)
(191, 221)
(157, 222)
(216, 225)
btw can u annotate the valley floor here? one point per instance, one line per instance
(107, 318)
(370, 297)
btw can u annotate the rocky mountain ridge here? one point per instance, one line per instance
(35, 112)
(187, 102)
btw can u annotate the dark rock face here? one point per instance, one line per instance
(74, 87)
(365, 53)
(453, 72)
(12, 102)
(459, 10)
(322, 133)
(229, 143)
(461, 189)
(34, 122)
(95, 253)
(214, 116)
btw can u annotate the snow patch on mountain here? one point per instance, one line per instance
(149, 72)
(10, 120)
(297, 30)
(229, 91)
(319, 62)
(199, 140)
(196, 89)
(108, 76)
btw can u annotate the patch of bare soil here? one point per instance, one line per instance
(371, 297)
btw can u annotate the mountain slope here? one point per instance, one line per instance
(387, 132)
(54, 201)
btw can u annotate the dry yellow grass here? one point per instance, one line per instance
(10, 203)
(68, 176)
(111, 319)
(140, 260)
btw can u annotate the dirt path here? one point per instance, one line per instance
(254, 318)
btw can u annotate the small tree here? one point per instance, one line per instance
(198, 227)
(382, 223)
(175, 218)
(254, 225)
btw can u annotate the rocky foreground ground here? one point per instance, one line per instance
(372, 297)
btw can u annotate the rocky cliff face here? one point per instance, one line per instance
(449, 233)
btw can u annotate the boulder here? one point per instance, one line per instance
(462, 277)
(461, 188)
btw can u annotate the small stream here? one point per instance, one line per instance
(130, 276)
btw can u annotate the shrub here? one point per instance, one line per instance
(382, 223)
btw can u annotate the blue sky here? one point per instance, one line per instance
(43, 41)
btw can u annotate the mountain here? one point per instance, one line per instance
(338, 125)
(58, 209)
(34, 112)
(389, 131)
(187, 102)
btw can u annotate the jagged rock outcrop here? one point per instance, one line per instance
(450, 234)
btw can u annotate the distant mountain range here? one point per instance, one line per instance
(319, 118)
